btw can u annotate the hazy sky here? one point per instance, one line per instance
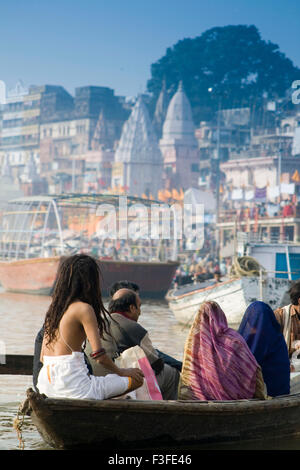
(114, 42)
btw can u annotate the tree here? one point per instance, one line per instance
(239, 67)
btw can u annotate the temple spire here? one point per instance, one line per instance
(138, 160)
(180, 86)
(179, 123)
(138, 141)
(161, 110)
(179, 145)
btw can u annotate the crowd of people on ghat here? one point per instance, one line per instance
(80, 340)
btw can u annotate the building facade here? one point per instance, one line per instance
(78, 150)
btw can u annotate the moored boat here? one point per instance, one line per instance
(31, 276)
(36, 231)
(233, 296)
(261, 271)
(124, 424)
(37, 275)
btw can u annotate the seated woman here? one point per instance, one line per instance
(76, 313)
(217, 363)
(261, 331)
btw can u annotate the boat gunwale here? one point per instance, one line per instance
(158, 263)
(57, 258)
(171, 298)
(17, 262)
(160, 406)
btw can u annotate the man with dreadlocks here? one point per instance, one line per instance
(77, 313)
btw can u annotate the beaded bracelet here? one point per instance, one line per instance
(129, 383)
(98, 353)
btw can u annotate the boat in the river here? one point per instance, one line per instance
(36, 231)
(233, 296)
(124, 424)
(263, 271)
(37, 275)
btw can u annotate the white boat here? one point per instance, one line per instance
(270, 284)
(233, 296)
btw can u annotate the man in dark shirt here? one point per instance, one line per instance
(126, 332)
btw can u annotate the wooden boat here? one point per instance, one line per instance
(30, 276)
(16, 364)
(37, 275)
(233, 296)
(266, 283)
(117, 423)
(35, 231)
(127, 424)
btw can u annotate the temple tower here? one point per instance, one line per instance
(161, 109)
(138, 160)
(179, 145)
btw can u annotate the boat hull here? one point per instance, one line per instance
(31, 276)
(233, 296)
(111, 424)
(153, 278)
(37, 275)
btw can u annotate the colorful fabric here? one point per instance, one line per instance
(261, 331)
(135, 357)
(217, 363)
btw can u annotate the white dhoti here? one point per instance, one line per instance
(68, 377)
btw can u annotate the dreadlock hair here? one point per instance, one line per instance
(78, 279)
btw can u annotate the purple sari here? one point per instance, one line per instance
(261, 331)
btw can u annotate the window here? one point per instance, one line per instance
(195, 167)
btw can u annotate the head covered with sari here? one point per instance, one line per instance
(261, 331)
(217, 364)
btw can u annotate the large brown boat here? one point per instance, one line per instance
(37, 275)
(36, 231)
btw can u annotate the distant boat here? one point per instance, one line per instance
(36, 231)
(233, 296)
(275, 267)
(37, 275)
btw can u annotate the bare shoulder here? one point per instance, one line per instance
(81, 309)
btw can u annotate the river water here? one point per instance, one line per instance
(21, 316)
